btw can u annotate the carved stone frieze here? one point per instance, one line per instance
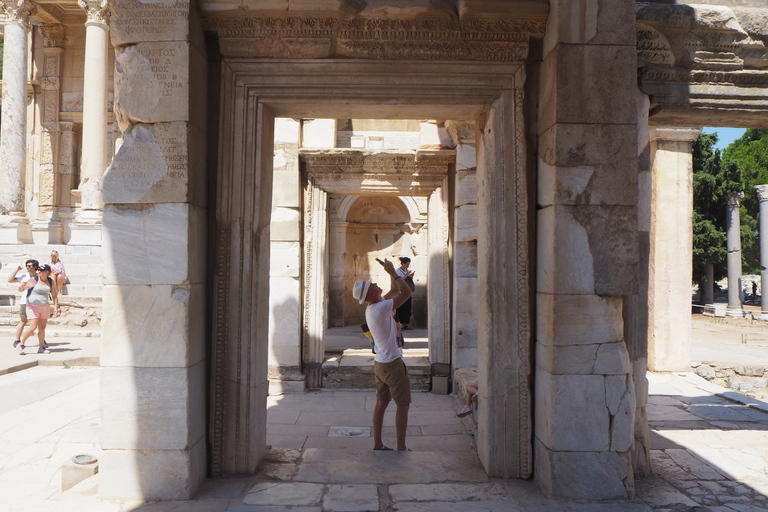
(373, 38)
(380, 163)
(53, 36)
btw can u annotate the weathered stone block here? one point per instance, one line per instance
(72, 474)
(284, 259)
(466, 187)
(562, 360)
(154, 244)
(588, 164)
(152, 165)
(286, 190)
(578, 319)
(285, 224)
(287, 131)
(152, 408)
(164, 326)
(623, 421)
(465, 313)
(612, 359)
(151, 83)
(152, 474)
(583, 475)
(466, 157)
(571, 413)
(565, 261)
(134, 21)
(465, 259)
(465, 220)
(318, 133)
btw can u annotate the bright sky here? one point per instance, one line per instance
(726, 135)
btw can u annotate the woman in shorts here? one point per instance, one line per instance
(39, 309)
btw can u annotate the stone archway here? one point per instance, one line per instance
(254, 92)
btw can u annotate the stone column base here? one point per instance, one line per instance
(15, 229)
(47, 231)
(86, 228)
(734, 312)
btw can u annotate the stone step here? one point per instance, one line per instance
(353, 369)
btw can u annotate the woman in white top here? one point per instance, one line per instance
(39, 309)
(57, 270)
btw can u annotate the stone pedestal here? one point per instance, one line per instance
(86, 229)
(671, 245)
(15, 229)
(762, 194)
(733, 233)
(48, 230)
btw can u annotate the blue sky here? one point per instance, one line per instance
(726, 135)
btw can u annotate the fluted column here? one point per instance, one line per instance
(13, 131)
(762, 194)
(733, 226)
(87, 228)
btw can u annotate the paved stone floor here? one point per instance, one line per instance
(709, 450)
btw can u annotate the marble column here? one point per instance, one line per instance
(439, 319)
(86, 230)
(733, 226)
(762, 194)
(670, 248)
(14, 224)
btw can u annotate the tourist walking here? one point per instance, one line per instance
(39, 309)
(404, 311)
(392, 381)
(27, 278)
(57, 270)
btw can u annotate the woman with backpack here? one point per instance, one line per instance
(38, 308)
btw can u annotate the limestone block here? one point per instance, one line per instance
(586, 22)
(287, 131)
(612, 359)
(152, 408)
(578, 319)
(286, 190)
(462, 132)
(644, 204)
(318, 133)
(464, 357)
(151, 83)
(590, 84)
(154, 244)
(136, 20)
(465, 312)
(583, 475)
(466, 157)
(588, 164)
(285, 259)
(152, 474)
(285, 224)
(465, 220)
(565, 260)
(560, 360)
(465, 259)
(151, 166)
(156, 326)
(72, 474)
(282, 355)
(615, 389)
(466, 187)
(434, 136)
(47, 192)
(623, 422)
(571, 412)
(640, 380)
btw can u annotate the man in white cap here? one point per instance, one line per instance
(392, 381)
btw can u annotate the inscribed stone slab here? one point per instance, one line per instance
(151, 166)
(139, 20)
(578, 319)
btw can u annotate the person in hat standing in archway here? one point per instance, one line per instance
(392, 381)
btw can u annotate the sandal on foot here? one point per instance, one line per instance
(466, 410)
(384, 448)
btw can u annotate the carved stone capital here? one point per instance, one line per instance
(18, 11)
(96, 10)
(53, 35)
(762, 192)
(733, 198)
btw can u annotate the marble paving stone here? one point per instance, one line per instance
(250, 508)
(294, 493)
(693, 465)
(335, 466)
(351, 498)
(352, 419)
(340, 443)
(349, 432)
(438, 430)
(288, 442)
(297, 430)
(659, 493)
(285, 416)
(447, 492)
(488, 506)
(187, 506)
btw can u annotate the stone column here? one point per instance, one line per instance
(14, 223)
(47, 227)
(762, 194)
(439, 325)
(86, 230)
(315, 283)
(733, 260)
(587, 255)
(464, 318)
(671, 245)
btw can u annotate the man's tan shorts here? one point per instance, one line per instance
(392, 381)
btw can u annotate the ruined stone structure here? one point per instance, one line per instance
(546, 190)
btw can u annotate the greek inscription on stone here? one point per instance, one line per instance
(155, 20)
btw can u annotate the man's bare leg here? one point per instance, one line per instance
(401, 425)
(378, 423)
(20, 327)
